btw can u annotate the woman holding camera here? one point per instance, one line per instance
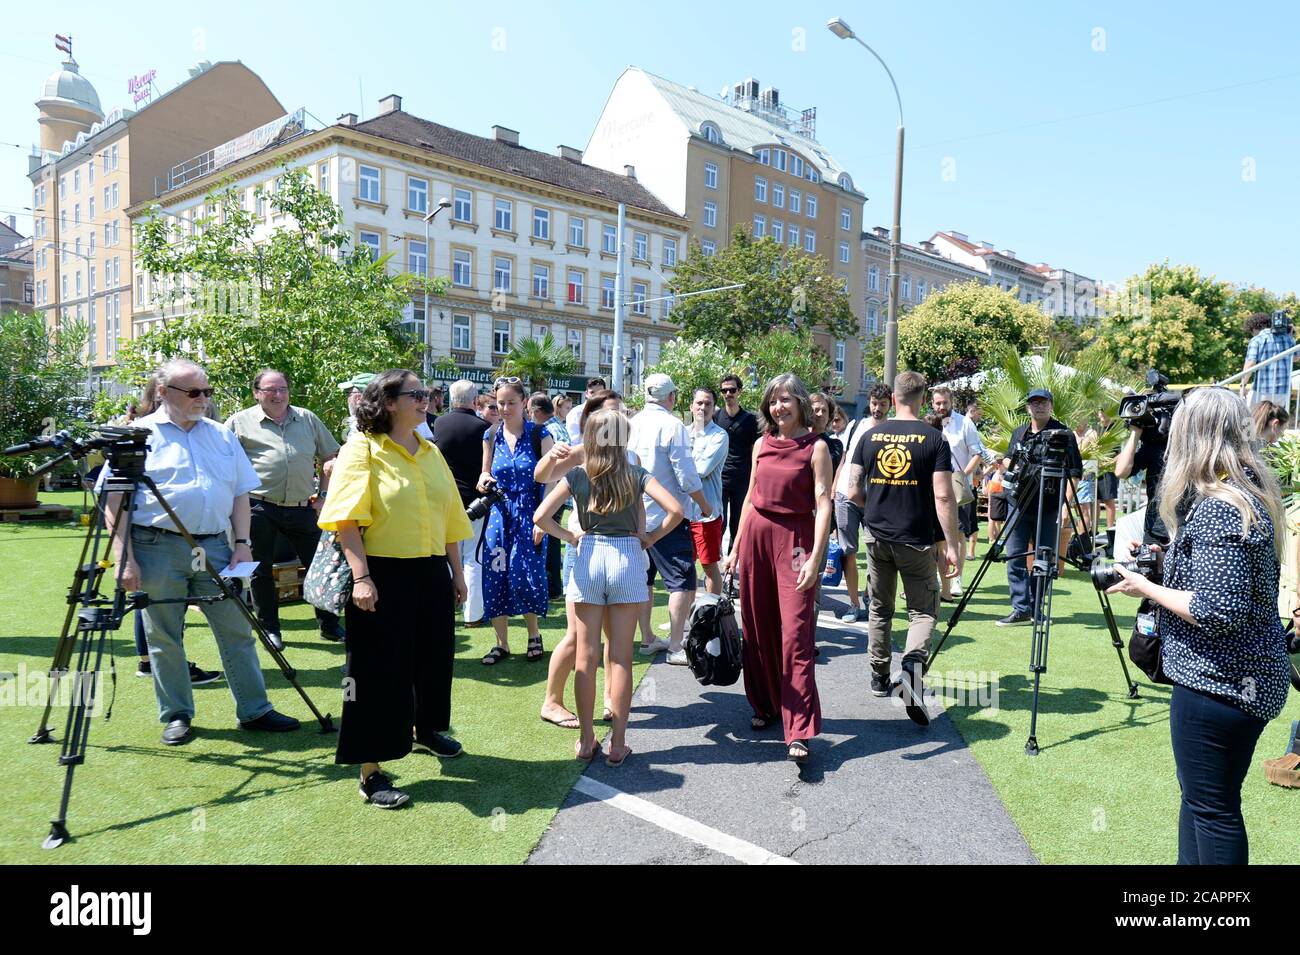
(407, 580)
(514, 565)
(1222, 644)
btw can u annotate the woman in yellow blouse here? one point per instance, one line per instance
(396, 486)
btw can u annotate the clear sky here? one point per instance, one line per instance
(1096, 136)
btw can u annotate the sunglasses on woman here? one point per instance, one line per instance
(193, 392)
(419, 394)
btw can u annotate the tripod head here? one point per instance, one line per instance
(124, 448)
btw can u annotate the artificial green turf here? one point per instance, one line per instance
(233, 796)
(1103, 788)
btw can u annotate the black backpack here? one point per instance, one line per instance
(713, 646)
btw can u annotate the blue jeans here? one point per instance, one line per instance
(1022, 598)
(166, 571)
(1214, 743)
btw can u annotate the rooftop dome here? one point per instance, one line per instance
(69, 87)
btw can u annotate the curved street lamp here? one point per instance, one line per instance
(845, 32)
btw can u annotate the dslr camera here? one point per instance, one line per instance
(479, 507)
(1155, 409)
(1145, 562)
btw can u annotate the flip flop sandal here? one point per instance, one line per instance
(494, 656)
(564, 723)
(627, 751)
(757, 723)
(577, 752)
(535, 649)
(607, 716)
(798, 752)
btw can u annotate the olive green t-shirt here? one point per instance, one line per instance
(624, 523)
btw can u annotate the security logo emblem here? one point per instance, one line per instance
(894, 461)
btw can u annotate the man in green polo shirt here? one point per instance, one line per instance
(285, 445)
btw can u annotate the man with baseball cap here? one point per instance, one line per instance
(354, 387)
(1023, 534)
(663, 446)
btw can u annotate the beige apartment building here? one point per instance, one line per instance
(922, 271)
(528, 243)
(90, 168)
(743, 160)
(17, 292)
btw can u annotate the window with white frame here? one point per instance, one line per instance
(77, 276)
(606, 348)
(846, 220)
(462, 268)
(90, 279)
(640, 292)
(710, 175)
(577, 231)
(764, 156)
(541, 281)
(502, 273)
(63, 187)
(844, 252)
(711, 133)
(461, 337)
(760, 226)
(796, 167)
(778, 159)
(873, 279)
(540, 331)
(76, 181)
(793, 235)
(907, 288)
(417, 257)
(711, 215)
(810, 241)
(641, 246)
(117, 236)
(113, 153)
(576, 292)
(810, 205)
(575, 342)
(371, 241)
(839, 358)
(368, 183)
(417, 194)
(90, 209)
(920, 290)
(872, 319)
(608, 239)
(541, 223)
(778, 231)
(760, 189)
(504, 215)
(323, 174)
(606, 291)
(670, 253)
(500, 336)
(778, 195)
(669, 300)
(76, 213)
(463, 206)
(708, 247)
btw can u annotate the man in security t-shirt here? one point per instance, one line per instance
(898, 460)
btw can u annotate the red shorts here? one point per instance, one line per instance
(707, 536)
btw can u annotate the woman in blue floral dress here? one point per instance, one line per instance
(514, 565)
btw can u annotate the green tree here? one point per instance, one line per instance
(783, 288)
(535, 361)
(41, 370)
(297, 299)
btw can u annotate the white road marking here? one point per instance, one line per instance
(707, 836)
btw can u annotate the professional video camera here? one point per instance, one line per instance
(1035, 451)
(1145, 562)
(480, 506)
(1155, 409)
(1280, 321)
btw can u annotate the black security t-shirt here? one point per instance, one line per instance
(899, 459)
(742, 432)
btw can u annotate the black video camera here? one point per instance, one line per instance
(479, 507)
(1280, 322)
(1035, 451)
(1145, 562)
(1155, 409)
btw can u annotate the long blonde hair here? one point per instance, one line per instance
(604, 442)
(1211, 446)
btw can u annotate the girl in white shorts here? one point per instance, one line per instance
(608, 582)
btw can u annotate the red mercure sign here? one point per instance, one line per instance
(141, 87)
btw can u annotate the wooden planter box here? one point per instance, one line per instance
(16, 493)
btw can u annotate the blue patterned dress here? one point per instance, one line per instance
(514, 569)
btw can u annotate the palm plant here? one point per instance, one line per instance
(535, 360)
(1087, 388)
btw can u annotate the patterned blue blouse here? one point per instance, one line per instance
(1237, 649)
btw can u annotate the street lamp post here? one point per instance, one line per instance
(844, 32)
(443, 203)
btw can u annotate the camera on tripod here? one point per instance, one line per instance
(479, 507)
(1155, 409)
(1145, 562)
(1035, 451)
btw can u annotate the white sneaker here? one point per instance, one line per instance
(666, 626)
(655, 646)
(677, 658)
(957, 589)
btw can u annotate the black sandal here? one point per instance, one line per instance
(535, 649)
(758, 723)
(494, 656)
(797, 750)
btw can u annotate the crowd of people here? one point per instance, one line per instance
(592, 503)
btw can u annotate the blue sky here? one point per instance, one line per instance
(1171, 133)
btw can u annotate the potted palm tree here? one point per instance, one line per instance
(535, 360)
(40, 371)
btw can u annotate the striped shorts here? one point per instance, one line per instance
(608, 570)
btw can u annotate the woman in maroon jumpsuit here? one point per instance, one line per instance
(780, 550)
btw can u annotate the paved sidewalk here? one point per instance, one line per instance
(702, 787)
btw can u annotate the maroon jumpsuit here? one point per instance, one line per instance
(778, 621)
